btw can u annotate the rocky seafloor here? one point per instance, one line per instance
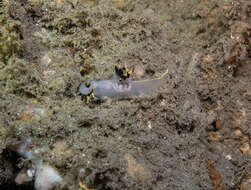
(193, 133)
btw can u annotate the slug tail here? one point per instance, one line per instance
(164, 75)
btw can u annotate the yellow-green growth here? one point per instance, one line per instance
(9, 39)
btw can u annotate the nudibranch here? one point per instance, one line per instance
(120, 86)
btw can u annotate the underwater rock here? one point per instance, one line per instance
(24, 176)
(136, 170)
(46, 177)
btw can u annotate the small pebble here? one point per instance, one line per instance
(23, 177)
(30, 172)
(237, 132)
(32, 112)
(45, 60)
(228, 157)
(138, 70)
(149, 124)
(218, 124)
(244, 147)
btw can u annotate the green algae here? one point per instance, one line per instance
(9, 39)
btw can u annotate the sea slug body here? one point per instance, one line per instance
(115, 88)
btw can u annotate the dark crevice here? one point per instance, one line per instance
(9, 167)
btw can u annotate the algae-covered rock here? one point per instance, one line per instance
(9, 39)
(12, 75)
(6, 134)
(134, 143)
